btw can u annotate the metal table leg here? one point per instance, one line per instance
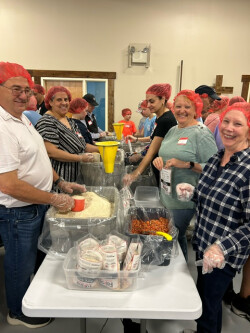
(83, 324)
(143, 325)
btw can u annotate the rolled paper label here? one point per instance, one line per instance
(110, 258)
(84, 282)
(89, 262)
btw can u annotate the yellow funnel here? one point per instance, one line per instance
(118, 127)
(108, 151)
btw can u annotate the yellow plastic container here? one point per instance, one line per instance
(108, 151)
(118, 127)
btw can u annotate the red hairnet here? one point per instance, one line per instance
(76, 104)
(144, 104)
(39, 89)
(52, 91)
(126, 111)
(161, 90)
(243, 107)
(194, 98)
(236, 99)
(9, 70)
(31, 105)
(169, 105)
(220, 104)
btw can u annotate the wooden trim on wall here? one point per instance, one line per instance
(111, 106)
(110, 76)
(71, 74)
(245, 86)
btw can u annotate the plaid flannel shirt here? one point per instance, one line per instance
(223, 208)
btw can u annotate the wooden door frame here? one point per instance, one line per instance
(110, 76)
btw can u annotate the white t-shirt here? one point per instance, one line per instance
(22, 149)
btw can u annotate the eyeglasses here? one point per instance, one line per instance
(17, 91)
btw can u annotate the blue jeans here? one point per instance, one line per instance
(212, 287)
(182, 218)
(19, 228)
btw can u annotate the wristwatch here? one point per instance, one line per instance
(191, 165)
(60, 179)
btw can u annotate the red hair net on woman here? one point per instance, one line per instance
(220, 104)
(236, 99)
(51, 93)
(193, 97)
(77, 105)
(126, 111)
(9, 70)
(160, 90)
(243, 107)
(39, 89)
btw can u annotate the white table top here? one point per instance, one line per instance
(165, 293)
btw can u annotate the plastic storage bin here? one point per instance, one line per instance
(147, 178)
(104, 280)
(147, 196)
(59, 234)
(137, 147)
(93, 174)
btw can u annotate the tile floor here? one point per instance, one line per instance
(231, 322)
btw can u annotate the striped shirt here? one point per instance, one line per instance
(223, 208)
(69, 140)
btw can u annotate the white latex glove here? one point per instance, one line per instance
(184, 191)
(68, 187)
(63, 202)
(131, 138)
(213, 258)
(158, 163)
(129, 178)
(87, 157)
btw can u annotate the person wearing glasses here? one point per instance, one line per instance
(26, 178)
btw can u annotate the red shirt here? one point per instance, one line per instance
(129, 128)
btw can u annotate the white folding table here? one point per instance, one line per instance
(167, 292)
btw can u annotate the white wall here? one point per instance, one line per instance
(211, 37)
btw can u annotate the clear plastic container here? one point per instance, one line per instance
(147, 196)
(59, 234)
(103, 280)
(147, 178)
(93, 174)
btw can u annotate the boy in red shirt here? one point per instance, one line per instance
(129, 126)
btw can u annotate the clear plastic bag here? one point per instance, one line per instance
(145, 222)
(59, 234)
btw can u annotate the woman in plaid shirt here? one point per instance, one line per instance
(222, 233)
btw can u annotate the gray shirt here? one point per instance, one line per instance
(194, 143)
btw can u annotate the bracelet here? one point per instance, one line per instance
(60, 179)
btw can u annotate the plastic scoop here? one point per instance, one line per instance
(118, 127)
(159, 233)
(164, 234)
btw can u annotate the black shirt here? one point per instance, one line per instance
(84, 131)
(41, 108)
